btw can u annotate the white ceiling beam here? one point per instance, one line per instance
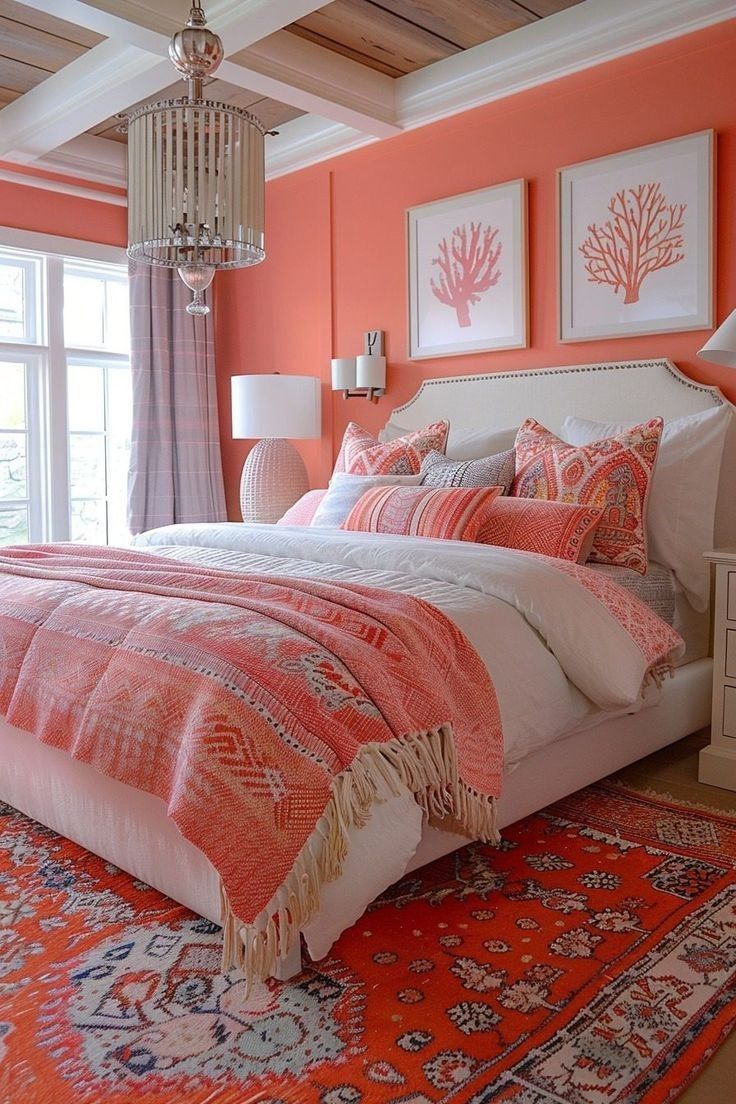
(238, 22)
(126, 68)
(105, 80)
(315, 79)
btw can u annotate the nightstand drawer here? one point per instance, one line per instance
(731, 596)
(729, 711)
(730, 660)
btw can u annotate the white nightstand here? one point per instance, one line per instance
(717, 766)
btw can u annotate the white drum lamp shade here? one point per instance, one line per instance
(272, 408)
(720, 348)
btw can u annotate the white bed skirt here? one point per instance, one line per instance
(130, 828)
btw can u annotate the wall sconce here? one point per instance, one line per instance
(362, 376)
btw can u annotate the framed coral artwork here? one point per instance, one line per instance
(468, 272)
(636, 241)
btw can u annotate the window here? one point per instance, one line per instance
(65, 392)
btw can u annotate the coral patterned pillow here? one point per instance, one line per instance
(453, 513)
(362, 454)
(304, 509)
(558, 529)
(614, 474)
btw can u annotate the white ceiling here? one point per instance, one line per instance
(348, 104)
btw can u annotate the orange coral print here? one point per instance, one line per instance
(468, 265)
(643, 234)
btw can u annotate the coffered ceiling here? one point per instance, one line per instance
(326, 77)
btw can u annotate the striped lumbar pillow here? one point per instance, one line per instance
(446, 514)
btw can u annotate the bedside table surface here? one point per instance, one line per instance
(721, 555)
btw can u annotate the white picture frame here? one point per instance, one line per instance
(484, 231)
(655, 201)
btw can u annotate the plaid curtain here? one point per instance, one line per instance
(175, 463)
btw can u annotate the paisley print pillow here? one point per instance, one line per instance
(613, 474)
(362, 454)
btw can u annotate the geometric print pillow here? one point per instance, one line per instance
(362, 454)
(486, 471)
(614, 474)
(559, 529)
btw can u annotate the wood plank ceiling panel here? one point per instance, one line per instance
(400, 36)
(34, 45)
(466, 24)
(372, 35)
(548, 7)
(29, 17)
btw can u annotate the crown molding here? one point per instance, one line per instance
(88, 158)
(66, 187)
(308, 140)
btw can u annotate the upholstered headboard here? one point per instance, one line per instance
(625, 391)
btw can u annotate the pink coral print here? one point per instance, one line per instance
(468, 266)
(643, 234)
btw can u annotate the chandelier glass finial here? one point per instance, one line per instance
(196, 175)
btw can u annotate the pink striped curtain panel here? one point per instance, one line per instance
(175, 464)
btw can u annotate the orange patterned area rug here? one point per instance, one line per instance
(590, 960)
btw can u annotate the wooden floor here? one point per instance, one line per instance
(673, 772)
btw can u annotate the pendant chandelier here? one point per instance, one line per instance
(195, 173)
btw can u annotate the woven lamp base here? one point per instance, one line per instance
(273, 479)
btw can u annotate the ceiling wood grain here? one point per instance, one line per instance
(464, 24)
(29, 17)
(400, 36)
(374, 36)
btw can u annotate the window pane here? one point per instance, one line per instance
(19, 286)
(12, 396)
(87, 465)
(89, 521)
(119, 405)
(84, 309)
(117, 318)
(13, 475)
(86, 387)
(14, 526)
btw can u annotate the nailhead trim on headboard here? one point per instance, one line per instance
(612, 366)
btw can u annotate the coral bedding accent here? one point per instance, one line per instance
(269, 714)
(613, 473)
(558, 529)
(304, 509)
(447, 513)
(362, 454)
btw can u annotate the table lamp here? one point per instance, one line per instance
(272, 408)
(720, 348)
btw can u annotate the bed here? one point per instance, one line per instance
(572, 744)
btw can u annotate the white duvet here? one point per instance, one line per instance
(556, 656)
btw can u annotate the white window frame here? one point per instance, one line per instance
(46, 384)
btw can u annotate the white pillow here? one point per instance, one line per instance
(345, 490)
(463, 444)
(682, 498)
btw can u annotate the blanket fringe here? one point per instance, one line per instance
(424, 763)
(658, 673)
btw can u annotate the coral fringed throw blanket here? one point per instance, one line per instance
(268, 713)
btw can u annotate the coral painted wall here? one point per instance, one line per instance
(336, 232)
(27, 208)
